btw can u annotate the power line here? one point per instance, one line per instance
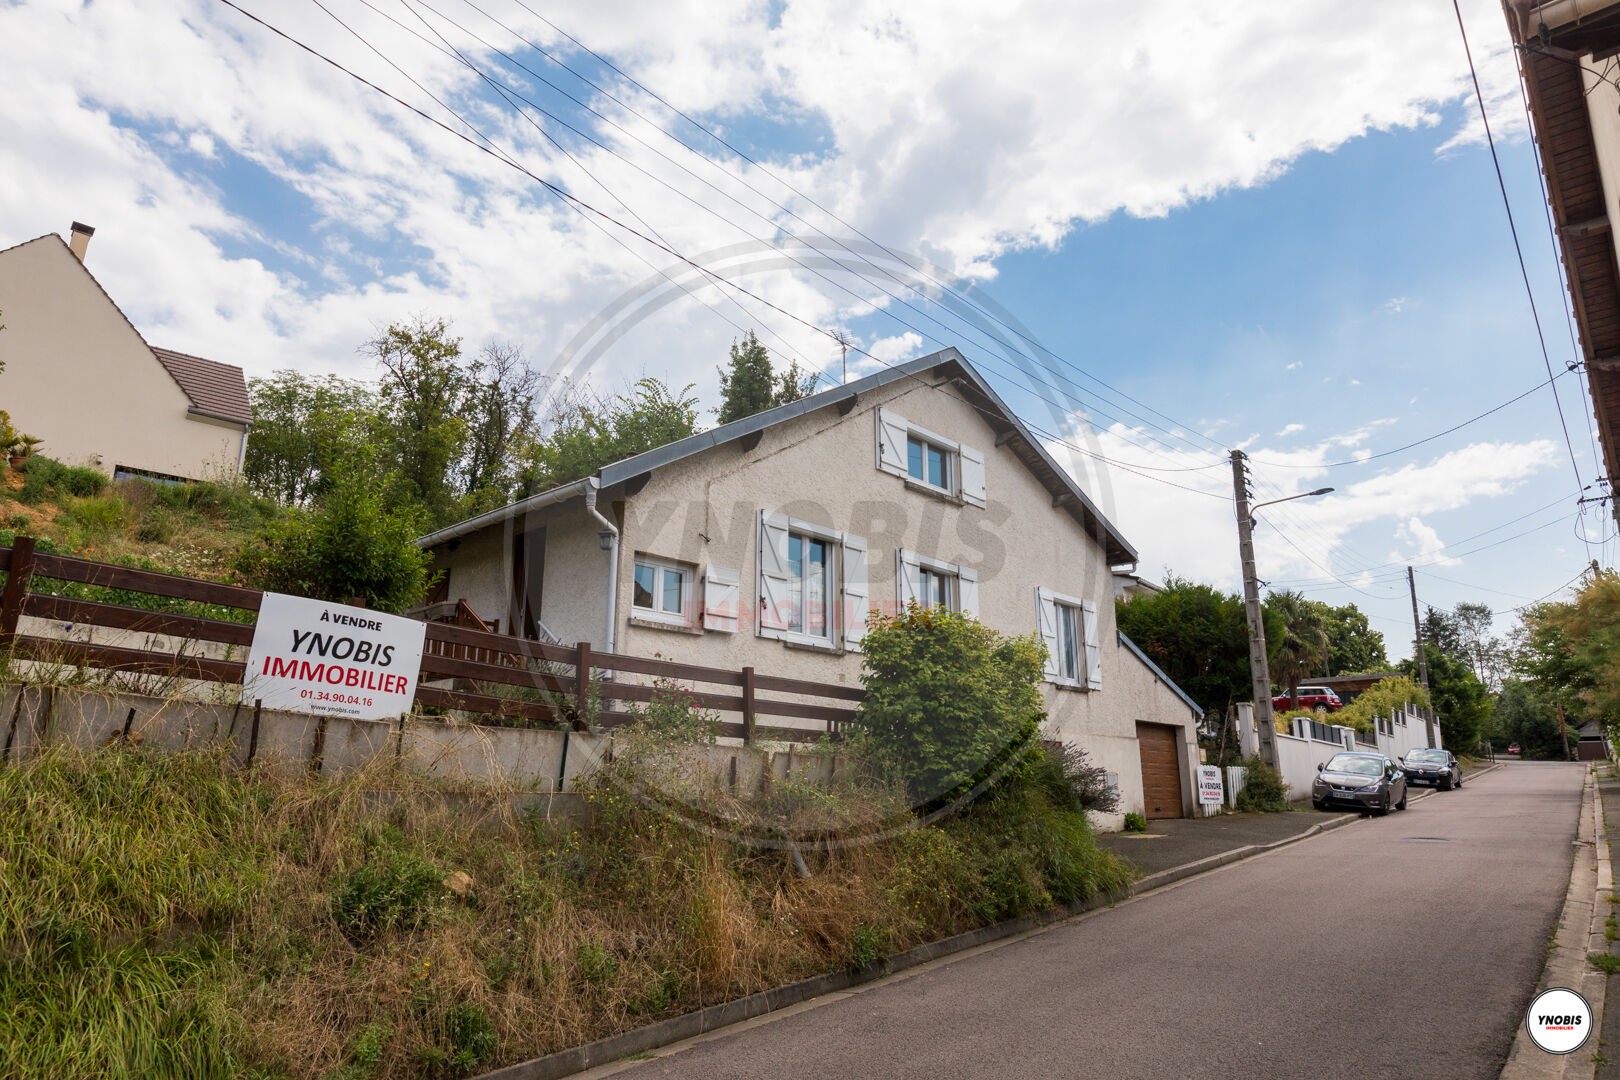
(563, 194)
(1427, 438)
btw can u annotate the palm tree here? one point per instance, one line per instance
(1303, 647)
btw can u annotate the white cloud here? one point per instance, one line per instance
(1420, 543)
(912, 130)
(1396, 304)
(1290, 429)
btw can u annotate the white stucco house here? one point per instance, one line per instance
(80, 376)
(766, 541)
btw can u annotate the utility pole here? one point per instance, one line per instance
(1265, 726)
(1422, 658)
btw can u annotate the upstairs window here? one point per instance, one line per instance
(930, 461)
(929, 464)
(935, 584)
(1072, 636)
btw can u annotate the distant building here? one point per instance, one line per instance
(80, 376)
(1128, 586)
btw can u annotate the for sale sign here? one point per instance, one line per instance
(315, 657)
(1210, 792)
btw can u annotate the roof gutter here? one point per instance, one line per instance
(549, 497)
(1557, 14)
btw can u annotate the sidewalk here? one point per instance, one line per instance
(1178, 842)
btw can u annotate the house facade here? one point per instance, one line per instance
(765, 543)
(80, 376)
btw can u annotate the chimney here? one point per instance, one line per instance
(80, 240)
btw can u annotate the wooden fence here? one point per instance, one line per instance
(503, 678)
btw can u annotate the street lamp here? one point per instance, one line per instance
(1265, 725)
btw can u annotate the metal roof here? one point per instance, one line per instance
(1010, 431)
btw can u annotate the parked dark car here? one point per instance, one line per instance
(1318, 698)
(1437, 767)
(1361, 781)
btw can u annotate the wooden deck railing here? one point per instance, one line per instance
(491, 675)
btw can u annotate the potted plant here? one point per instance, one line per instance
(21, 448)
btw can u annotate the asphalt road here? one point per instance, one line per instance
(1407, 945)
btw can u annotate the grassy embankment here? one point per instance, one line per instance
(174, 916)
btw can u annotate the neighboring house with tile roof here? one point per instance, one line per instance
(83, 379)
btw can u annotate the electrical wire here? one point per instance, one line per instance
(566, 196)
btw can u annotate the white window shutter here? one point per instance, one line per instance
(892, 432)
(967, 590)
(857, 599)
(1046, 615)
(774, 578)
(906, 579)
(972, 476)
(722, 599)
(1088, 609)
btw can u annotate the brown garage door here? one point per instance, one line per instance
(1161, 770)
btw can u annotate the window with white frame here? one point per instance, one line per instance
(662, 591)
(1070, 632)
(933, 583)
(812, 583)
(932, 461)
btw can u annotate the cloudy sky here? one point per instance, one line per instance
(1162, 229)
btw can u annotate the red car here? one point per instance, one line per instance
(1318, 698)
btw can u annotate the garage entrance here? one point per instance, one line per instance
(1161, 770)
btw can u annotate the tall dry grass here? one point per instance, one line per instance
(172, 915)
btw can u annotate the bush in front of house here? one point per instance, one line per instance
(950, 703)
(349, 546)
(45, 477)
(1263, 789)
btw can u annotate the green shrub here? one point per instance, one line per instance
(391, 889)
(469, 1037)
(45, 477)
(1065, 774)
(1135, 822)
(352, 545)
(672, 716)
(94, 519)
(868, 946)
(1263, 789)
(950, 703)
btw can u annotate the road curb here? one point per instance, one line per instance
(1580, 932)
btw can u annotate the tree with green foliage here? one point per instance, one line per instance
(1301, 650)
(1383, 698)
(1354, 647)
(424, 398)
(1460, 699)
(499, 403)
(950, 705)
(352, 544)
(305, 429)
(1525, 717)
(1198, 636)
(588, 433)
(749, 384)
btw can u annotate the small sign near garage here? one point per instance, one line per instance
(316, 657)
(1210, 792)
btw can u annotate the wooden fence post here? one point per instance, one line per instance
(748, 705)
(17, 580)
(582, 686)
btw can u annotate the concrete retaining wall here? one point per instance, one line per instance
(33, 718)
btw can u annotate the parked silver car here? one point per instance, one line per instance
(1361, 781)
(1438, 767)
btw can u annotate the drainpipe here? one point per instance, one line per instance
(241, 455)
(610, 540)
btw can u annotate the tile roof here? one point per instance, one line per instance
(214, 388)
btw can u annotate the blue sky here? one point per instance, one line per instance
(1274, 228)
